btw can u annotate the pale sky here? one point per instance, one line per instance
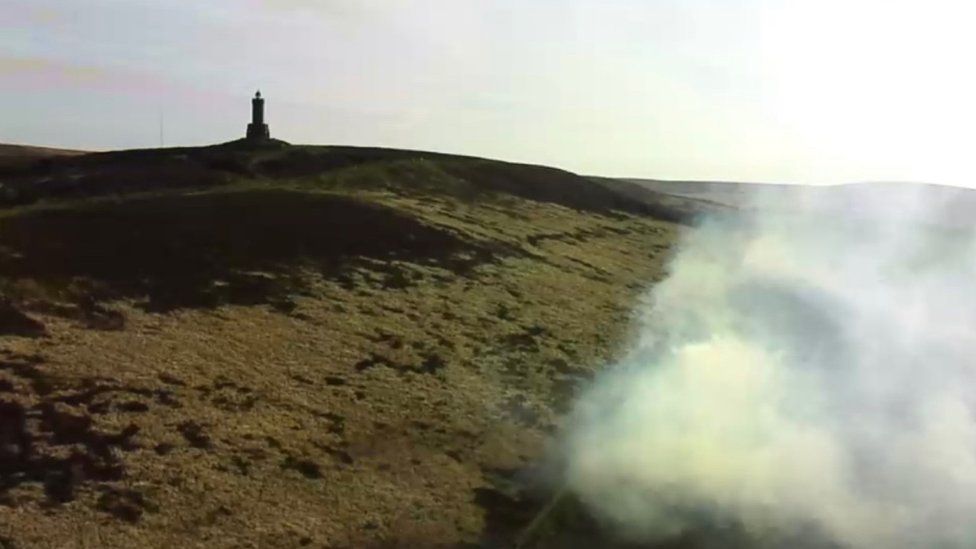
(814, 91)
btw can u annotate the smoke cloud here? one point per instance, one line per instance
(803, 378)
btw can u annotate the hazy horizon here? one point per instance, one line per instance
(748, 90)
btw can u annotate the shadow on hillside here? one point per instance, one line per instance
(208, 249)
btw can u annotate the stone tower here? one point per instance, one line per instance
(257, 130)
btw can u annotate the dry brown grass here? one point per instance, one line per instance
(384, 401)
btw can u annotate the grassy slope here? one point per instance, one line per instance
(322, 347)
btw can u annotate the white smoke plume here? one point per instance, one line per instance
(808, 376)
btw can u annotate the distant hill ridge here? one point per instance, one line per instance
(9, 150)
(924, 202)
(18, 155)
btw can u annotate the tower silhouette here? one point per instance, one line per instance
(257, 130)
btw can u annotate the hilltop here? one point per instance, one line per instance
(8, 150)
(301, 346)
(12, 155)
(320, 346)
